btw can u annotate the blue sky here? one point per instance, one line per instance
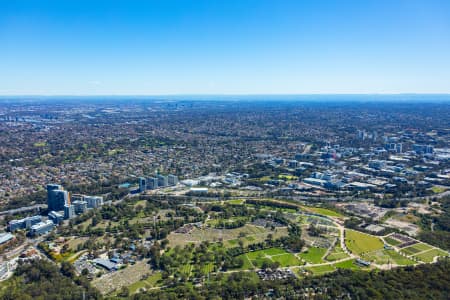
(224, 47)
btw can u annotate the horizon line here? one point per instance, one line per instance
(224, 94)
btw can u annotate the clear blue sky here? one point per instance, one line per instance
(224, 47)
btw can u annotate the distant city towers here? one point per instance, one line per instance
(57, 197)
(158, 181)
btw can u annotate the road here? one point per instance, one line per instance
(23, 209)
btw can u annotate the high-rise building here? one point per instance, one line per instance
(69, 211)
(152, 183)
(93, 201)
(57, 199)
(142, 184)
(162, 181)
(80, 206)
(50, 194)
(293, 164)
(423, 149)
(172, 180)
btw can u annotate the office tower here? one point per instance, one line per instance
(57, 199)
(142, 184)
(152, 183)
(69, 211)
(93, 201)
(172, 179)
(162, 181)
(50, 195)
(80, 206)
(293, 164)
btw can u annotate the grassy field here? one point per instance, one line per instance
(247, 264)
(230, 237)
(287, 177)
(383, 256)
(320, 270)
(287, 260)
(208, 268)
(235, 201)
(348, 264)
(336, 254)
(313, 255)
(274, 251)
(438, 189)
(392, 241)
(429, 255)
(75, 256)
(416, 248)
(399, 259)
(359, 243)
(150, 282)
(186, 269)
(73, 243)
(323, 211)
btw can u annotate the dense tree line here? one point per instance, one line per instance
(40, 279)
(430, 281)
(440, 235)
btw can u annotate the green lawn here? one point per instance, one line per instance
(428, 256)
(236, 201)
(392, 241)
(438, 189)
(325, 212)
(232, 242)
(336, 254)
(247, 264)
(348, 264)
(150, 282)
(384, 256)
(399, 259)
(313, 255)
(256, 254)
(274, 251)
(186, 269)
(416, 248)
(287, 260)
(208, 268)
(319, 270)
(359, 243)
